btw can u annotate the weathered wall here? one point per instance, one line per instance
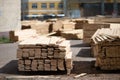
(10, 15)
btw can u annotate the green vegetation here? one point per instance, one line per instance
(4, 40)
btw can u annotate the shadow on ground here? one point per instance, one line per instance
(81, 45)
(84, 53)
(11, 68)
(88, 67)
(78, 67)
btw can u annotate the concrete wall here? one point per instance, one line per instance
(10, 15)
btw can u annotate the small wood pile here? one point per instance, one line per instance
(90, 29)
(73, 34)
(41, 27)
(106, 48)
(25, 34)
(57, 25)
(68, 25)
(79, 24)
(9, 35)
(44, 54)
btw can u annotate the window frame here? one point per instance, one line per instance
(52, 5)
(60, 5)
(34, 6)
(43, 5)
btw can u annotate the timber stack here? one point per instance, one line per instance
(45, 54)
(79, 24)
(90, 29)
(106, 48)
(73, 34)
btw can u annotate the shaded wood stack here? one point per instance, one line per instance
(10, 35)
(26, 27)
(79, 24)
(90, 29)
(107, 19)
(106, 48)
(44, 54)
(73, 34)
(41, 27)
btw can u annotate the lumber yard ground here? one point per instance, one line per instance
(83, 62)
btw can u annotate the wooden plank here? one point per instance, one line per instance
(47, 67)
(44, 55)
(37, 53)
(20, 61)
(34, 65)
(27, 62)
(56, 53)
(19, 53)
(68, 61)
(61, 64)
(41, 65)
(25, 53)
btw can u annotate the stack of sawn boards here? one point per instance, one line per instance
(106, 48)
(45, 54)
(90, 29)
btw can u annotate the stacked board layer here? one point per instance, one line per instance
(44, 54)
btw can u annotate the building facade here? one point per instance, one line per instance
(70, 8)
(38, 8)
(93, 7)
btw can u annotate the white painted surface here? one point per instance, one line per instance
(10, 15)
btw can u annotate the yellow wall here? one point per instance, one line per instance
(30, 12)
(74, 6)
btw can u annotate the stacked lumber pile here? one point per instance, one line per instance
(52, 20)
(90, 29)
(73, 34)
(114, 25)
(41, 27)
(57, 26)
(79, 24)
(25, 34)
(44, 54)
(107, 20)
(10, 35)
(106, 48)
(68, 25)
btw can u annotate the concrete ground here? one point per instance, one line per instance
(83, 62)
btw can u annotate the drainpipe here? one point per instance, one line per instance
(65, 7)
(115, 8)
(102, 7)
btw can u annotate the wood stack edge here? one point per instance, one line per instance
(106, 48)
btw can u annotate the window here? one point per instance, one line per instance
(52, 5)
(34, 5)
(60, 5)
(43, 5)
